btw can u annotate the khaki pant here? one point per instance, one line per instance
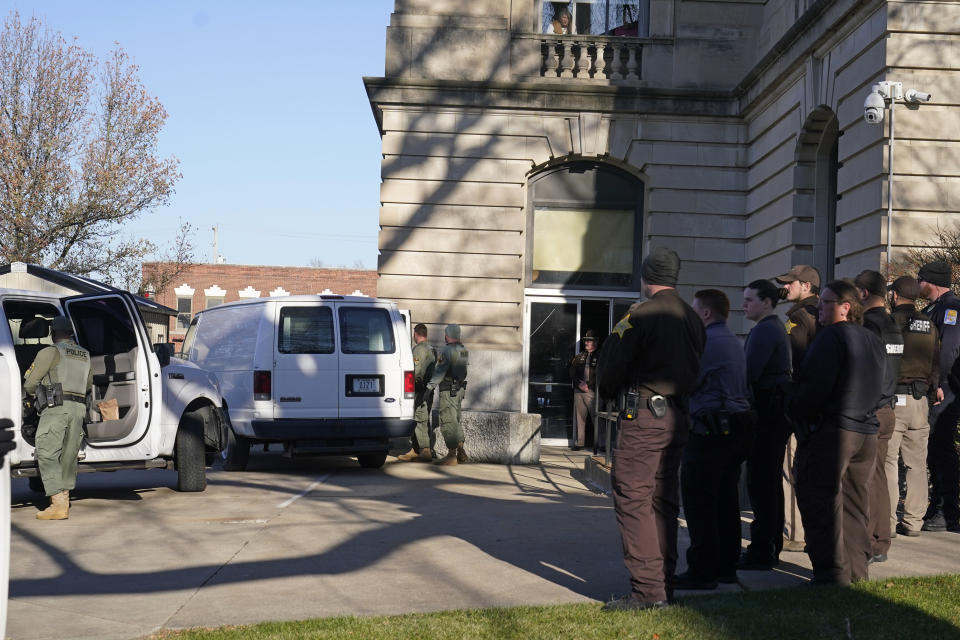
(909, 440)
(59, 435)
(792, 523)
(584, 403)
(449, 414)
(423, 435)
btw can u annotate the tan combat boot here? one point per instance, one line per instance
(409, 456)
(449, 460)
(425, 455)
(59, 508)
(461, 454)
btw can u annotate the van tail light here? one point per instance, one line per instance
(409, 385)
(261, 385)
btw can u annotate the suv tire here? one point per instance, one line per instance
(237, 452)
(189, 453)
(372, 460)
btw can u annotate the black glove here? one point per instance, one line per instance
(6, 437)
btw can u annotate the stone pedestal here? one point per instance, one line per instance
(499, 437)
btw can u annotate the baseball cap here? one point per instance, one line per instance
(801, 272)
(872, 282)
(906, 287)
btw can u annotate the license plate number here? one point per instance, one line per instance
(366, 385)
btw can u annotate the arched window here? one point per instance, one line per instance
(584, 228)
(817, 161)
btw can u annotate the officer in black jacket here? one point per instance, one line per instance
(943, 513)
(835, 403)
(873, 288)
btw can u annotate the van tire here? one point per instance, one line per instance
(190, 454)
(237, 452)
(36, 484)
(372, 460)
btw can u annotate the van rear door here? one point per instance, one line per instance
(371, 378)
(305, 361)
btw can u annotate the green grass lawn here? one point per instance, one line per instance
(901, 609)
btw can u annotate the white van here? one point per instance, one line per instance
(169, 413)
(322, 374)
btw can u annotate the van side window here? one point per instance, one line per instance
(305, 330)
(366, 330)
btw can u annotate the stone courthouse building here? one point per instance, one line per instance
(528, 165)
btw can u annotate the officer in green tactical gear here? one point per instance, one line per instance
(450, 377)
(423, 438)
(60, 377)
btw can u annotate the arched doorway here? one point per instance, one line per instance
(818, 164)
(583, 254)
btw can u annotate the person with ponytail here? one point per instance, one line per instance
(834, 405)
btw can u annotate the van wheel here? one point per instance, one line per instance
(189, 452)
(372, 460)
(237, 452)
(36, 484)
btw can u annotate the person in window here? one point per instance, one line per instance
(561, 21)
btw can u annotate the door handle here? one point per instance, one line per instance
(175, 376)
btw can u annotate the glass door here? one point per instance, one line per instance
(551, 344)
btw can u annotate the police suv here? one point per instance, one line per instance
(168, 412)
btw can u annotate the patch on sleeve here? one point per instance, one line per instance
(789, 325)
(623, 326)
(950, 317)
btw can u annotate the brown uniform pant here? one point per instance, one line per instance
(910, 435)
(879, 525)
(583, 406)
(646, 497)
(834, 469)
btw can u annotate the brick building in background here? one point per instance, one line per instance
(201, 286)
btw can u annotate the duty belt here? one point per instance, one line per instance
(75, 397)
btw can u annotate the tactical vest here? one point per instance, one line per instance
(73, 369)
(459, 361)
(886, 328)
(919, 343)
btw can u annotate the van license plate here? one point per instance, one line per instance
(366, 385)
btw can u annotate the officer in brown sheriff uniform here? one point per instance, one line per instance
(917, 388)
(873, 288)
(651, 360)
(801, 286)
(583, 374)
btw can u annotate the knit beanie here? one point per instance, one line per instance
(661, 267)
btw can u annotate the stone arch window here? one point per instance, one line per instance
(584, 227)
(816, 201)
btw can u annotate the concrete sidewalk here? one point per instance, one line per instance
(320, 537)
(929, 554)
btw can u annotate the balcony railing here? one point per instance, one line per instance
(591, 57)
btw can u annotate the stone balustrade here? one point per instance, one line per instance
(591, 57)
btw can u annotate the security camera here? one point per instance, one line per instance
(913, 95)
(873, 108)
